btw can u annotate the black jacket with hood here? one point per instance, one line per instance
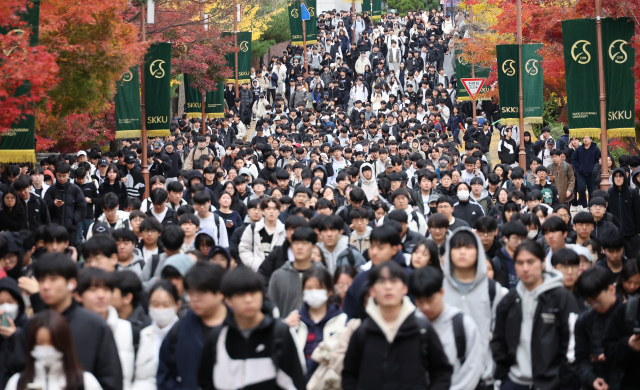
(624, 203)
(13, 351)
(74, 209)
(552, 340)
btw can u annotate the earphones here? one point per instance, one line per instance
(71, 286)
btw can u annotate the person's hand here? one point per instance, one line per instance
(293, 320)
(552, 177)
(229, 224)
(124, 180)
(58, 203)
(600, 384)
(8, 331)
(88, 200)
(29, 285)
(568, 194)
(634, 342)
(74, 254)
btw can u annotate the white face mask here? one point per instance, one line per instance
(463, 195)
(46, 354)
(162, 317)
(11, 309)
(532, 234)
(314, 298)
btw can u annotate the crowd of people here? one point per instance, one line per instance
(361, 238)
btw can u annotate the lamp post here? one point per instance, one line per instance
(522, 155)
(143, 110)
(473, 68)
(604, 141)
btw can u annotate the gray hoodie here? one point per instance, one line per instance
(475, 302)
(465, 376)
(521, 372)
(337, 258)
(484, 200)
(285, 288)
(370, 187)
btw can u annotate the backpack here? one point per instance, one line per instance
(631, 313)
(155, 260)
(458, 325)
(564, 165)
(414, 214)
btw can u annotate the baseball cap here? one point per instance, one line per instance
(392, 138)
(547, 196)
(103, 162)
(129, 159)
(101, 227)
(244, 171)
(157, 145)
(550, 141)
(433, 198)
(81, 153)
(388, 163)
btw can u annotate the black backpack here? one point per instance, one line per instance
(458, 326)
(631, 313)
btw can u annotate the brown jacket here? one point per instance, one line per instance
(195, 155)
(562, 181)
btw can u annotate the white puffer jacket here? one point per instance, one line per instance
(123, 335)
(147, 360)
(54, 379)
(250, 248)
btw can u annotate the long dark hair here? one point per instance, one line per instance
(62, 341)
(19, 207)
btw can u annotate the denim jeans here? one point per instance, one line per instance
(83, 228)
(584, 183)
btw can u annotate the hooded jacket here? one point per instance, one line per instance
(37, 212)
(370, 187)
(250, 247)
(340, 255)
(466, 375)
(13, 354)
(533, 341)
(468, 211)
(276, 259)
(484, 200)
(72, 212)
(418, 225)
(361, 243)
(624, 203)
(123, 334)
(383, 357)
(475, 302)
(53, 378)
(285, 287)
(231, 360)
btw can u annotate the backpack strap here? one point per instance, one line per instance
(280, 330)
(414, 214)
(492, 291)
(460, 337)
(350, 257)
(155, 260)
(253, 232)
(631, 311)
(217, 219)
(424, 341)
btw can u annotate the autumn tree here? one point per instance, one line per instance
(27, 72)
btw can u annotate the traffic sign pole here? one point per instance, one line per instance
(304, 12)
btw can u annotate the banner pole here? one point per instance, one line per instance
(473, 69)
(604, 140)
(203, 123)
(521, 154)
(143, 110)
(235, 43)
(304, 43)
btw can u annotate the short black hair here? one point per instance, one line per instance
(172, 237)
(294, 222)
(100, 244)
(359, 213)
(424, 282)
(128, 283)
(150, 224)
(533, 247)
(175, 186)
(486, 224)
(565, 256)
(463, 238)
(241, 280)
(55, 232)
(597, 201)
(357, 195)
(305, 234)
(593, 281)
(516, 228)
(109, 201)
(201, 197)
(611, 239)
(385, 234)
(159, 196)
(189, 218)
(584, 217)
(204, 277)
(55, 264)
(395, 271)
(445, 199)
(124, 235)
(94, 277)
(554, 224)
(332, 222)
(399, 216)
(164, 284)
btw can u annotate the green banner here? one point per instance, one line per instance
(377, 10)
(214, 107)
(508, 69)
(581, 68)
(193, 100)
(532, 80)
(295, 23)
(244, 58)
(157, 78)
(619, 58)
(18, 145)
(366, 6)
(127, 102)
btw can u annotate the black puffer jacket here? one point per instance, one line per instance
(624, 204)
(74, 209)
